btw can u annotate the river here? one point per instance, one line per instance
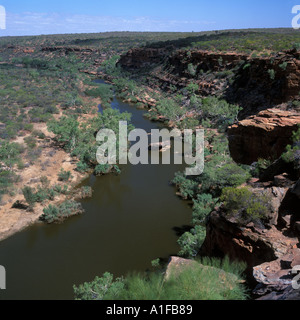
(130, 220)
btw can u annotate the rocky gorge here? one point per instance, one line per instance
(267, 89)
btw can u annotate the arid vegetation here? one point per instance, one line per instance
(50, 112)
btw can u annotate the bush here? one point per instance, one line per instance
(30, 142)
(33, 196)
(54, 214)
(103, 91)
(283, 65)
(214, 178)
(192, 70)
(219, 111)
(43, 194)
(272, 74)
(85, 192)
(187, 187)
(203, 205)
(191, 242)
(291, 150)
(7, 178)
(82, 167)
(260, 166)
(39, 134)
(99, 288)
(45, 181)
(245, 205)
(29, 196)
(10, 152)
(102, 169)
(50, 214)
(64, 175)
(170, 109)
(60, 189)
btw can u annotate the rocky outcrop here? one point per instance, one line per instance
(68, 50)
(204, 61)
(266, 81)
(254, 83)
(265, 135)
(277, 275)
(269, 246)
(140, 58)
(177, 265)
(252, 244)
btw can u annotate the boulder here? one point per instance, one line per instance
(277, 275)
(176, 265)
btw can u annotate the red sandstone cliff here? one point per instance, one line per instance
(264, 135)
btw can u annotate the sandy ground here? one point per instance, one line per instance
(49, 164)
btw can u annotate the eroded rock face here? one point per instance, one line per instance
(265, 135)
(277, 275)
(256, 83)
(141, 57)
(249, 243)
(266, 82)
(270, 247)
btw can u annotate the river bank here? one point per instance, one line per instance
(131, 219)
(50, 162)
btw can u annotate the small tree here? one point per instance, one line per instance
(272, 74)
(29, 196)
(64, 175)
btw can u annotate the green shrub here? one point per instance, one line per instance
(50, 214)
(203, 205)
(244, 204)
(272, 74)
(102, 169)
(33, 196)
(54, 214)
(99, 288)
(188, 123)
(7, 180)
(192, 70)
(191, 242)
(283, 66)
(44, 181)
(246, 66)
(219, 111)
(64, 175)
(38, 134)
(187, 187)
(82, 167)
(85, 192)
(214, 178)
(103, 91)
(291, 150)
(43, 194)
(297, 46)
(29, 196)
(10, 153)
(260, 167)
(170, 109)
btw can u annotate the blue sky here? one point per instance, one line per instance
(34, 17)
